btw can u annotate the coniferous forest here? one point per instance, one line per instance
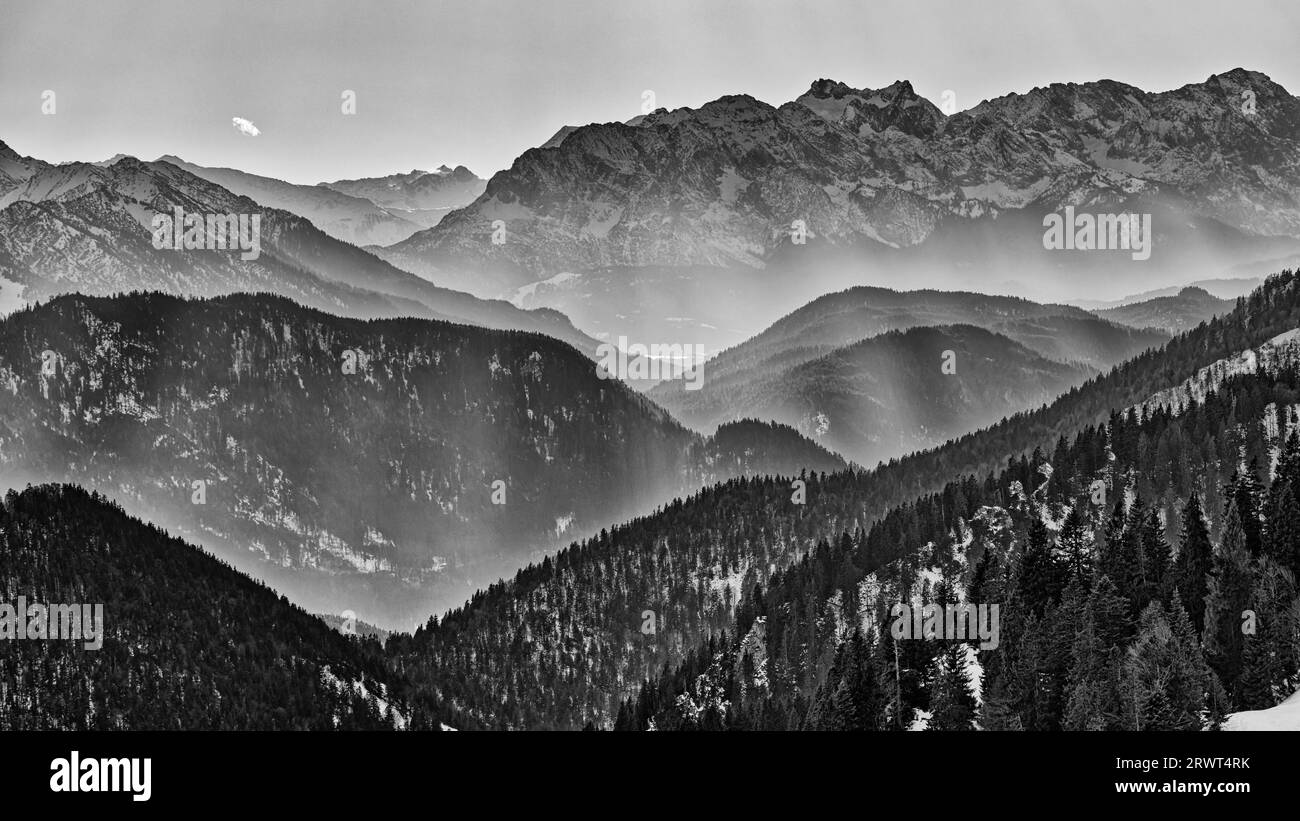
(1147, 613)
(1143, 564)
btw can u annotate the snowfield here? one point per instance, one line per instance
(1285, 716)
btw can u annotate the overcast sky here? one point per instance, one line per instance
(477, 83)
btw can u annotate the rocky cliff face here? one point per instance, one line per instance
(732, 182)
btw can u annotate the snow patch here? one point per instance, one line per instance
(1285, 716)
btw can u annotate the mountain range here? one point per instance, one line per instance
(1173, 314)
(395, 409)
(369, 211)
(351, 219)
(847, 186)
(1219, 288)
(707, 566)
(888, 395)
(422, 196)
(382, 466)
(730, 607)
(862, 370)
(86, 228)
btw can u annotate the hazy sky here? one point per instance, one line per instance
(477, 83)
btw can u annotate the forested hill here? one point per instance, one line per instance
(188, 642)
(382, 466)
(1118, 606)
(561, 643)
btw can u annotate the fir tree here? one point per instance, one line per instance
(1195, 558)
(1225, 602)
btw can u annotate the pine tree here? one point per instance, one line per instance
(1228, 596)
(1282, 528)
(1148, 703)
(1244, 493)
(1191, 681)
(1157, 560)
(952, 704)
(1111, 559)
(1093, 684)
(1074, 546)
(1194, 562)
(855, 704)
(1040, 578)
(1109, 612)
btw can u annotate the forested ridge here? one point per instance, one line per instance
(763, 602)
(188, 642)
(403, 459)
(555, 646)
(1166, 609)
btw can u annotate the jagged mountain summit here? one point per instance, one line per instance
(848, 186)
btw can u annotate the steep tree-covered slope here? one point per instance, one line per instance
(186, 642)
(1139, 577)
(382, 466)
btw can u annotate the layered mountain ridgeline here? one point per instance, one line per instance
(905, 193)
(564, 641)
(889, 395)
(1175, 314)
(1230, 288)
(424, 197)
(1143, 575)
(351, 219)
(827, 370)
(1060, 332)
(380, 466)
(369, 211)
(85, 228)
(184, 641)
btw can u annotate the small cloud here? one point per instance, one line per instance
(245, 127)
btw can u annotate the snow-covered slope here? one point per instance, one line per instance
(1285, 716)
(1281, 351)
